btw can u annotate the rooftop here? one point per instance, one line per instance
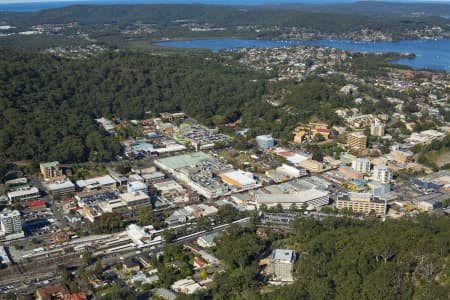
(283, 255)
(184, 160)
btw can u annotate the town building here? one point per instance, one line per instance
(361, 165)
(36, 205)
(186, 286)
(24, 194)
(377, 129)
(350, 172)
(207, 240)
(54, 291)
(61, 188)
(403, 157)
(291, 194)
(364, 203)
(51, 171)
(311, 165)
(265, 141)
(135, 200)
(429, 205)
(382, 174)
(10, 222)
(137, 186)
(356, 140)
(103, 182)
(281, 264)
(240, 179)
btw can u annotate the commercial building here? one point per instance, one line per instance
(51, 171)
(298, 194)
(60, 188)
(24, 194)
(103, 182)
(377, 129)
(37, 205)
(350, 172)
(361, 165)
(240, 179)
(379, 189)
(364, 203)
(173, 163)
(382, 174)
(429, 205)
(135, 200)
(10, 222)
(281, 264)
(137, 186)
(171, 190)
(403, 157)
(312, 165)
(265, 141)
(356, 140)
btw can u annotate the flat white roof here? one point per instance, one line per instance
(60, 185)
(103, 180)
(25, 192)
(244, 178)
(133, 196)
(299, 196)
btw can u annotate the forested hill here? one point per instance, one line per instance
(226, 16)
(376, 8)
(48, 104)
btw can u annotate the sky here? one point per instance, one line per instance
(219, 1)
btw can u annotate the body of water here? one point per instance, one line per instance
(430, 54)
(41, 5)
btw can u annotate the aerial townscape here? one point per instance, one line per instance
(204, 151)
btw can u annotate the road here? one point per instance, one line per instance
(50, 268)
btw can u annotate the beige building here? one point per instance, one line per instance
(282, 264)
(51, 171)
(312, 165)
(357, 140)
(362, 203)
(403, 157)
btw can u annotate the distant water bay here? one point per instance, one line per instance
(430, 54)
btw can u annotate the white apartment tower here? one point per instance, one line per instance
(10, 222)
(361, 165)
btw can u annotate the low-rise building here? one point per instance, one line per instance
(137, 186)
(277, 195)
(60, 188)
(103, 182)
(362, 203)
(53, 291)
(312, 165)
(265, 141)
(240, 179)
(186, 286)
(350, 172)
(24, 194)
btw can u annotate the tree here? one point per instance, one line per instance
(168, 235)
(203, 223)
(98, 267)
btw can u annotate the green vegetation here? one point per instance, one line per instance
(165, 17)
(436, 154)
(342, 258)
